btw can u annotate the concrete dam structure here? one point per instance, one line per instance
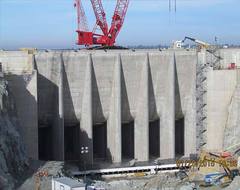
(116, 105)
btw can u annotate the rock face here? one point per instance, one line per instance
(12, 155)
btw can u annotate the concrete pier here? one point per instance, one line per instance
(167, 108)
(114, 132)
(141, 124)
(86, 121)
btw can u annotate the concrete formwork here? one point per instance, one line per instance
(113, 89)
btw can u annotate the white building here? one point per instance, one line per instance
(177, 44)
(65, 183)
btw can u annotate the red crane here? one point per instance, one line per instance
(108, 36)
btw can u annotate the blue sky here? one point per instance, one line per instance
(52, 23)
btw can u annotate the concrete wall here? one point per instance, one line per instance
(114, 87)
(16, 62)
(186, 87)
(232, 129)
(220, 90)
(230, 56)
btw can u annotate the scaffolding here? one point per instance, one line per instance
(207, 58)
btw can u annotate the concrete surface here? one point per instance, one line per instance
(221, 87)
(230, 56)
(232, 128)
(89, 98)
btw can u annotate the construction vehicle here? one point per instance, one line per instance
(108, 36)
(226, 161)
(199, 42)
(211, 49)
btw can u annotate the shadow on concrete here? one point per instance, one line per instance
(178, 105)
(48, 117)
(125, 109)
(154, 139)
(154, 122)
(23, 99)
(47, 105)
(75, 145)
(179, 137)
(128, 140)
(70, 117)
(152, 99)
(48, 109)
(72, 131)
(74, 137)
(179, 116)
(26, 109)
(100, 141)
(127, 127)
(21, 115)
(101, 154)
(98, 116)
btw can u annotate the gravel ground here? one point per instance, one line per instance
(166, 181)
(235, 185)
(51, 168)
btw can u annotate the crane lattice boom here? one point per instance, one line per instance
(100, 15)
(118, 18)
(81, 17)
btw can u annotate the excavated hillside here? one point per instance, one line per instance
(13, 160)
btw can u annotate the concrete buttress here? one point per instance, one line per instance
(141, 127)
(114, 134)
(167, 117)
(86, 123)
(58, 126)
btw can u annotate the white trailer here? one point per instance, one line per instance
(65, 183)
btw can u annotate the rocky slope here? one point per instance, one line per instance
(13, 160)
